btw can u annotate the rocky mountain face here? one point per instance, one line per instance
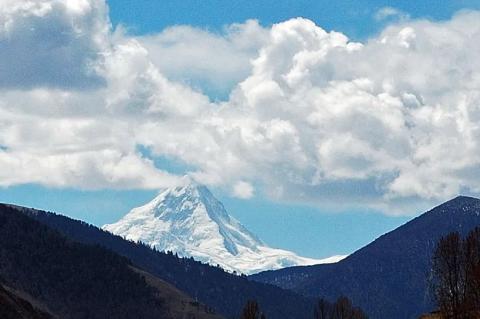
(189, 221)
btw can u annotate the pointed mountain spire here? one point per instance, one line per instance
(190, 221)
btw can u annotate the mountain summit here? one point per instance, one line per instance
(191, 222)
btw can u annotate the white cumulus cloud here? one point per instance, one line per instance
(243, 190)
(52, 43)
(386, 13)
(308, 115)
(214, 62)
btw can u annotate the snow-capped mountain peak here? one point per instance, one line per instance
(190, 221)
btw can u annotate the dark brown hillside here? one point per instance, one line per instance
(178, 303)
(13, 306)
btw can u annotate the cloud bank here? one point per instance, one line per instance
(310, 116)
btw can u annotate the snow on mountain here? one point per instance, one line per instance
(191, 222)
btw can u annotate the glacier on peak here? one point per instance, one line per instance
(190, 221)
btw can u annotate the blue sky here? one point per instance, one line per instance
(309, 228)
(352, 17)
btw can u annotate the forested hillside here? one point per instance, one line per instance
(74, 280)
(388, 278)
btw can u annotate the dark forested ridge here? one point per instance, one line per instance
(72, 279)
(388, 278)
(224, 292)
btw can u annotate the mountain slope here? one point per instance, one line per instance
(225, 292)
(13, 306)
(74, 280)
(191, 222)
(389, 277)
(178, 303)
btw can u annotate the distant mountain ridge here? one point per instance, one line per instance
(389, 277)
(190, 221)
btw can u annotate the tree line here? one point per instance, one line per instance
(456, 275)
(340, 309)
